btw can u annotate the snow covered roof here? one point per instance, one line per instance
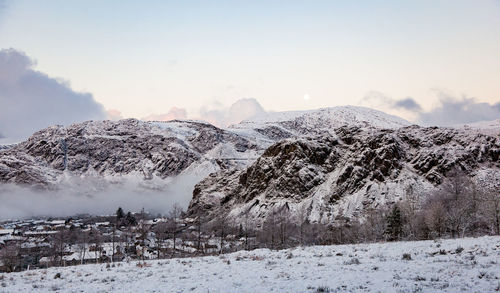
(6, 231)
(57, 222)
(79, 256)
(34, 233)
(102, 223)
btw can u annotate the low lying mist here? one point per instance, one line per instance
(96, 196)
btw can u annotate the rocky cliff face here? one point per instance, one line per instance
(346, 173)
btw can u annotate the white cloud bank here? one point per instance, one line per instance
(221, 116)
(96, 196)
(450, 110)
(173, 114)
(31, 100)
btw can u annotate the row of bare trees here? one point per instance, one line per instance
(458, 208)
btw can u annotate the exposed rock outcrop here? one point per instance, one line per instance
(346, 173)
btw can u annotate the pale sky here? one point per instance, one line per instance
(145, 57)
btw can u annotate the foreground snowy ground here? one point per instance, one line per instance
(468, 265)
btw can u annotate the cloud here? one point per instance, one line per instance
(31, 100)
(173, 114)
(379, 100)
(240, 110)
(450, 111)
(93, 195)
(376, 99)
(408, 104)
(3, 7)
(243, 109)
(215, 114)
(114, 115)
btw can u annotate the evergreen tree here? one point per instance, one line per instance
(241, 231)
(394, 224)
(119, 213)
(130, 219)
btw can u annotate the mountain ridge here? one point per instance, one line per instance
(154, 153)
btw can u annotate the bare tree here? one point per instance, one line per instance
(129, 239)
(220, 228)
(247, 230)
(143, 229)
(199, 231)
(82, 245)
(459, 200)
(435, 217)
(302, 220)
(284, 225)
(269, 229)
(373, 228)
(340, 224)
(491, 210)
(161, 232)
(10, 256)
(172, 224)
(59, 241)
(410, 207)
(113, 241)
(96, 240)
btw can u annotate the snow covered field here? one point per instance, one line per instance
(467, 265)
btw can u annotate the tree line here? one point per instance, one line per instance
(458, 208)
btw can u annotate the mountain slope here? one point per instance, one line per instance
(486, 127)
(279, 125)
(147, 150)
(126, 147)
(331, 161)
(347, 173)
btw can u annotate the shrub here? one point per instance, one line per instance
(352, 261)
(323, 289)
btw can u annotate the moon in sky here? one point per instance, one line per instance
(307, 97)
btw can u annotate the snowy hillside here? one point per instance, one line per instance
(279, 125)
(486, 127)
(467, 265)
(333, 116)
(347, 173)
(108, 149)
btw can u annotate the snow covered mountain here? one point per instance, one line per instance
(486, 127)
(346, 173)
(163, 150)
(274, 126)
(331, 161)
(108, 149)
